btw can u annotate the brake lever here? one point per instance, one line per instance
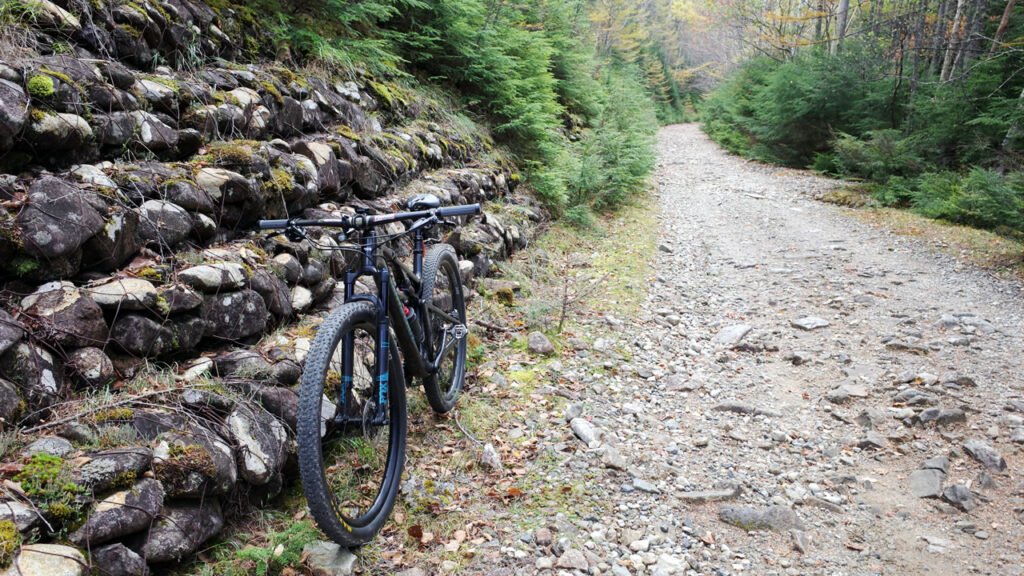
(451, 223)
(295, 233)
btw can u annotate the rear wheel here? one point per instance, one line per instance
(445, 325)
(350, 455)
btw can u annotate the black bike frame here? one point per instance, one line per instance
(387, 301)
(388, 305)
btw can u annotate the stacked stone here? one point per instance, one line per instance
(108, 260)
(60, 109)
(142, 32)
(160, 502)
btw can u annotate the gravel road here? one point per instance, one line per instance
(803, 394)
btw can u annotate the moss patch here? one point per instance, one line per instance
(10, 541)
(347, 132)
(114, 415)
(47, 481)
(181, 463)
(40, 86)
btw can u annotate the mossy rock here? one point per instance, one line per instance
(505, 296)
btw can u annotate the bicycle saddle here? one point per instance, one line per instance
(423, 202)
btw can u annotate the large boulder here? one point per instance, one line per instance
(94, 176)
(160, 95)
(180, 298)
(224, 186)
(116, 243)
(119, 560)
(57, 220)
(275, 293)
(106, 97)
(164, 223)
(248, 364)
(217, 277)
(261, 440)
(289, 266)
(235, 315)
(112, 469)
(152, 423)
(67, 317)
(152, 133)
(143, 336)
(180, 530)
(11, 403)
(189, 196)
(115, 129)
(194, 463)
(25, 517)
(50, 16)
(54, 132)
(38, 374)
(120, 514)
(11, 331)
(125, 293)
(283, 403)
(91, 366)
(13, 113)
(47, 560)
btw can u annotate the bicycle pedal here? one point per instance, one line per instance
(459, 331)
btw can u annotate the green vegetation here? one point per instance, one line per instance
(40, 86)
(10, 541)
(576, 110)
(47, 481)
(938, 131)
(283, 549)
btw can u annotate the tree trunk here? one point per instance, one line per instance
(954, 35)
(818, 20)
(938, 36)
(844, 8)
(970, 44)
(915, 63)
(1003, 23)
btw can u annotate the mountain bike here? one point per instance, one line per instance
(352, 412)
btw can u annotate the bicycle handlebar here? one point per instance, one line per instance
(361, 221)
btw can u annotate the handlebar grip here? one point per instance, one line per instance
(466, 210)
(271, 224)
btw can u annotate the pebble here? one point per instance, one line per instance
(985, 454)
(810, 323)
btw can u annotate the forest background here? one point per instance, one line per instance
(922, 100)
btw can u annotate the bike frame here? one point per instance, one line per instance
(378, 261)
(387, 304)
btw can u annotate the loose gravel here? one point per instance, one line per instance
(801, 394)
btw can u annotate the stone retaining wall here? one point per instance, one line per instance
(128, 192)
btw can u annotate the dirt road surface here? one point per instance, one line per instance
(801, 394)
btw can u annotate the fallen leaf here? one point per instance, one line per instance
(14, 487)
(10, 468)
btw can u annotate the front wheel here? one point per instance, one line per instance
(445, 325)
(351, 453)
